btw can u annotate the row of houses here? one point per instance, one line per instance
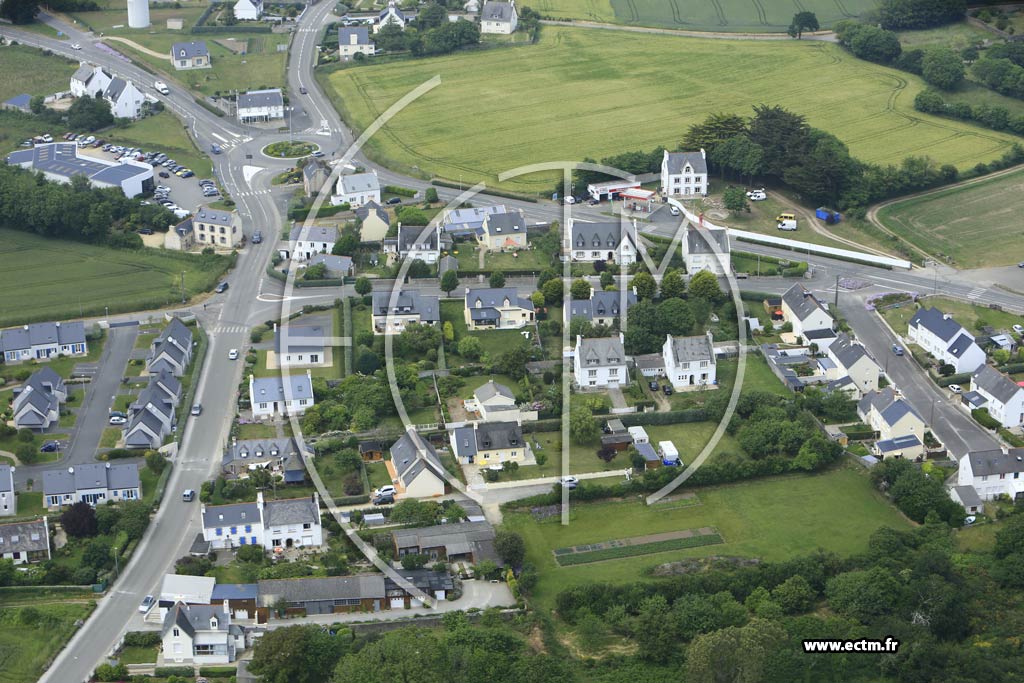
(42, 341)
(288, 523)
(37, 401)
(92, 483)
(687, 362)
(152, 415)
(124, 97)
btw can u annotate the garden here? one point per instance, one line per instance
(290, 150)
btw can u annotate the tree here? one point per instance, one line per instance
(580, 289)
(712, 131)
(739, 154)
(510, 547)
(431, 16)
(19, 11)
(899, 15)
(363, 286)
(736, 653)
(297, 654)
(656, 633)
(430, 195)
(704, 285)
(674, 317)
(552, 290)
(864, 594)
(449, 281)
(803, 21)
(497, 280)
(942, 68)
(606, 453)
(366, 362)
(645, 286)
(89, 113)
(735, 199)
(470, 348)
(672, 284)
(156, 462)
(582, 427)
(134, 519)
(537, 298)
(317, 271)
(414, 561)
(448, 331)
(607, 280)
(794, 595)
(1010, 538)
(79, 520)
(869, 42)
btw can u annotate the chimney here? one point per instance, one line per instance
(71, 470)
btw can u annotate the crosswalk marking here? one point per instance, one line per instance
(252, 193)
(229, 329)
(976, 293)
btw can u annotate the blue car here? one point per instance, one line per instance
(897, 349)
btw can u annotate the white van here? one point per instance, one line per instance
(161, 88)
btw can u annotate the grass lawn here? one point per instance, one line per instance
(256, 430)
(165, 133)
(765, 518)
(94, 277)
(30, 503)
(109, 437)
(964, 223)
(527, 259)
(494, 342)
(144, 339)
(28, 71)
(979, 538)
(377, 473)
(958, 36)
(642, 105)
(27, 645)
(11, 443)
(971, 316)
(757, 376)
(135, 654)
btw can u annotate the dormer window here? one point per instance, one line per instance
(274, 451)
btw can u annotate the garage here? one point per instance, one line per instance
(397, 603)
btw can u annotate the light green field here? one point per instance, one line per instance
(579, 94)
(773, 519)
(701, 15)
(27, 70)
(965, 223)
(28, 640)
(969, 315)
(92, 277)
(163, 132)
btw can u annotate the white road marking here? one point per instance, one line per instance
(222, 139)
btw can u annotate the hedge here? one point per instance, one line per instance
(118, 453)
(299, 213)
(1012, 368)
(982, 417)
(622, 551)
(168, 671)
(399, 190)
(352, 500)
(507, 273)
(961, 378)
(490, 191)
(230, 29)
(671, 417)
(142, 638)
(217, 671)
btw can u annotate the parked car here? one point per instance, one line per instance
(667, 390)
(385, 491)
(757, 195)
(383, 500)
(145, 231)
(897, 349)
(147, 603)
(1019, 329)
(50, 447)
(117, 420)
(394, 200)
(221, 288)
(674, 210)
(188, 496)
(164, 174)
(652, 385)
(233, 354)
(76, 46)
(569, 482)
(956, 388)
(197, 409)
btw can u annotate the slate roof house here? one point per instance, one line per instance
(277, 395)
(946, 339)
(190, 55)
(690, 361)
(25, 542)
(707, 249)
(599, 362)
(151, 416)
(36, 403)
(900, 428)
(592, 242)
(315, 175)
(217, 227)
(470, 542)
(606, 308)
(502, 232)
(417, 242)
(469, 221)
(494, 309)
(310, 240)
(248, 10)
(993, 472)
(288, 523)
(493, 401)
(684, 174)
(999, 394)
(124, 98)
(408, 306)
(40, 341)
(374, 222)
(499, 17)
(848, 358)
(390, 15)
(353, 40)
(257, 106)
(807, 315)
(335, 267)
(89, 80)
(357, 189)
(92, 483)
(201, 635)
(301, 346)
(171, 350)
(329, 595)
(489, 443)
(281, 456)
(415, 467)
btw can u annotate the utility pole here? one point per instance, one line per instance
(183, 286)
(117, 567)
(836, 306)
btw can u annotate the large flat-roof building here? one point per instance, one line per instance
(60, 162)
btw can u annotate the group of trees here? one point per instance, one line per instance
(901, 15)
(994, 117)
(938, 66)
(357, 403)
(430, 37)
(917, 494)
(75, 210)
(650, 321)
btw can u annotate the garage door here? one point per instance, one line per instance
(416, 602)
(397, 603)
(307, 540)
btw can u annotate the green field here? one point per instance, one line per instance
(773, 519)
(964, 223)
(27, 70)
(618, 96)
(31, 636)
(699, 15)
(971, 316)
(93, 277)
(165, 133)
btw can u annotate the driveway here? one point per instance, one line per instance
(96, 405)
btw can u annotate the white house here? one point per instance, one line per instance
(88, 80)
(248, 10)
(201, 635)
(493, 401)
(497, 309)
(946, 339)
(614, 242)
(900, 428)
(847, 358)
(124, 98)
(690, 361)
(301, 346)
(684, 174)
(190, 55)
(993, 472)
(353, 40)
(8, 501)
(489, 443)
(280, 396)
(499, 17)
(606, 308)
(260, 105)
(417, 242)
(216, 227)
(1003, 398)
(392, 311)
(36, 403)
(390, 15)
(25, 542)
(599, 363)
(289, 523)
(314, 239)
(92, 483)
(707, 249)
(41, 341)
(806, 314)
(171, 350)
(357, 189)
(415, 468)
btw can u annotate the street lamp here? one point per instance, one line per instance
(117, 567)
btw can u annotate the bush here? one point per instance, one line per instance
(168, 671)
(982, 417)
(142, 638)
(401, 191)
(217, 671)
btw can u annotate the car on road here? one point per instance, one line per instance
(147, 603)
(76, 46)
(1019, 329)
(569, 481)
(117, 420)
(897, 349)
(318, 154)
(50, 447)
(221, 288)
(674, 210)
(1021, 264)
(956, 388)
(233, 354)
(216, 149)
(257, 237)
(302, 90)
(197, 409)
(383, 500)
(394, 200)
(385, 491)
(188, 496)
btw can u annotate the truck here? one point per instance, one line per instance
(787, 224)
(161, 88)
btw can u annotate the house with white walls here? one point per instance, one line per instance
(684, 174)
(942, 336)
(997, 393)
(280, 396)
(690, 362)
(599, 363)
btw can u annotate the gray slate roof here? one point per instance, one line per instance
(601, 304)
(492, 389)
(361, 34)
(495, 298)
(40, 334)
(462, 534)
(6, 478)
(260, 449)
(690, 349)
(676, 161)
(995, 383)
(316, 233)
(409, 235)
(802, 302)
(83, 73)
(603, 350)
(598, 235)
(464, 441)
(496, 11)
(889, 407)
(364, 211)
(847, 352)
(205, 214)
(192, 618)
(994, 461)
(290, 511)
(315, 589)
(968, 496)
(936, 322)
(24, 537)
(698, 241)
(960, 345)
(266, 389)
(359, 182)
(261, 98)
(115, 88)
(90, 476)
(230, 515)
(498, 435)
(411, 454)
(195, 48)
(334, 264)
(300, 338)
(504, 224)
(407, 302)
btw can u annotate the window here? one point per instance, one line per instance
(263, 406)
(241, 541)
(614, 372)
(307, 525)
(591, 373)
(248, 528)
(703, 363)
(176, 633)
(234, 530)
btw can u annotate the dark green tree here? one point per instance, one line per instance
(298, 654)
(802, 21)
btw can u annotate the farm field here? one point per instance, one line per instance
(94, 277)
(766, 518)
(27, 70)
(761, 16)
(620, 98)
(29, 638)
(964, 222)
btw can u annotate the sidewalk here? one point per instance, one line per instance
(554, 480)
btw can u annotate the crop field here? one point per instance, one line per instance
(964, 223)
(773, 519)
(701, 15)
(27, 70)
(616, 95)
(93, 277)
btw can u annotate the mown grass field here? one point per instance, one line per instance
(27, 70)
(92, 277)
(699, 15)
(773, 519)
(965, 223)
(165, 133)
(971, 316)
(579, 94)
(31, 636)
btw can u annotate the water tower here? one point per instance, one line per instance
(138, 13)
